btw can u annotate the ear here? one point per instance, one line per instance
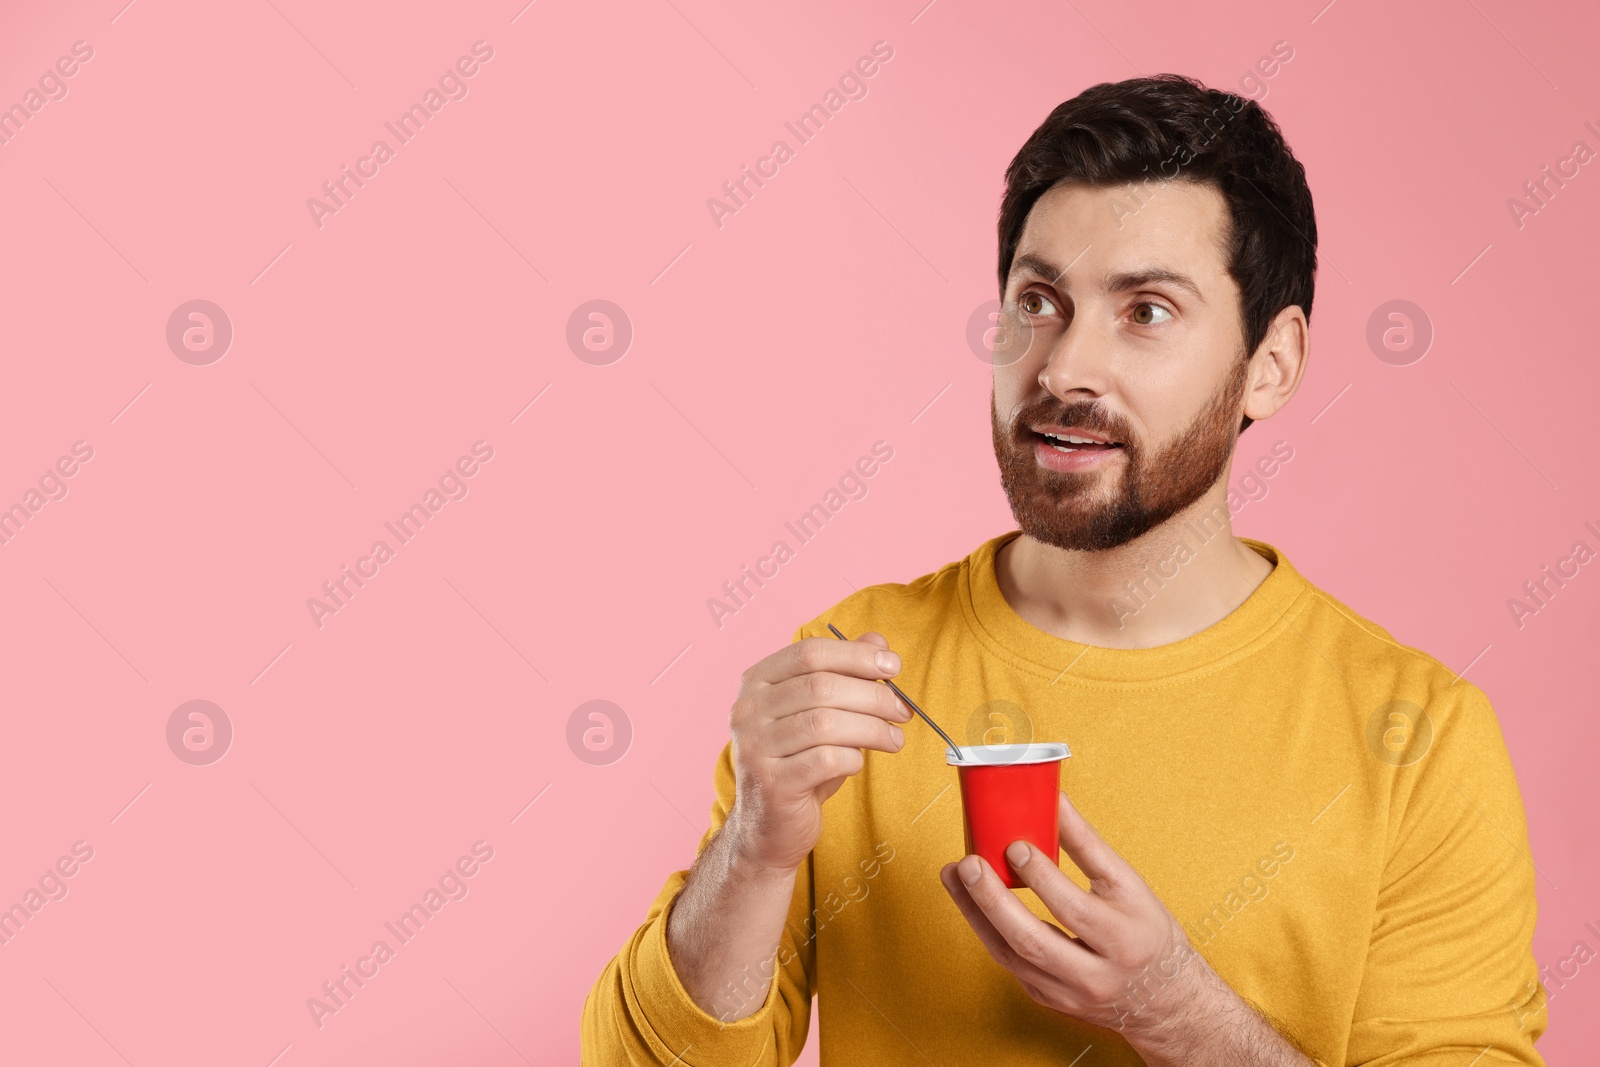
(1278, 364)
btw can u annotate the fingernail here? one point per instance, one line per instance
(1017, 852)
(898, 734)
(888, 662)
(970, 870)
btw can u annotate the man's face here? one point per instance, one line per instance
(1090, 343)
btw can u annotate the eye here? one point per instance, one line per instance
(1143, 318)
(1028, 300)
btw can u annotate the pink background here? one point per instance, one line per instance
(829, 313)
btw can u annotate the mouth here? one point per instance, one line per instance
(1073, 439)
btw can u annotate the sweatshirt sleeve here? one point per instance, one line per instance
(1450, 972)
(638, 1012)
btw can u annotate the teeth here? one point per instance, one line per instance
(1071, 439)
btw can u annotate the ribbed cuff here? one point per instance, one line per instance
(690, 1032)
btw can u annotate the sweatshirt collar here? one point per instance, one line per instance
(1268, 610)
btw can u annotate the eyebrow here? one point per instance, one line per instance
(1112, 281)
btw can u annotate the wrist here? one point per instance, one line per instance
(744, 857)
(1171, 1027)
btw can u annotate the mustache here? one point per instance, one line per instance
(1085, 415)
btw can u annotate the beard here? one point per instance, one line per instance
(1095, 510)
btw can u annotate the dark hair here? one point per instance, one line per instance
(1171, 127)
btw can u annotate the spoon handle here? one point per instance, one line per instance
(911, 704)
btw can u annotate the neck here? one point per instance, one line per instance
(1172, 582)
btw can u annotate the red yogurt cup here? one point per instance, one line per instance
(1008, 793)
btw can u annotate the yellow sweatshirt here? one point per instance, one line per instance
(1331, 815)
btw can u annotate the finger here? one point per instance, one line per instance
(828, 788)
(811, 654)
(999, 949)
(816, 766)
(1087, 916)
(1108, 872)
(1045, 946)
(875, 638)
(833, 726)
(825, 689)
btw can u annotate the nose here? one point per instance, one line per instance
(1078, 363)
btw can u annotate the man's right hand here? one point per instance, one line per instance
(802, 717)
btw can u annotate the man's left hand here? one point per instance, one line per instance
(1127, 963)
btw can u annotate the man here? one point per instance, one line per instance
(1289, 839)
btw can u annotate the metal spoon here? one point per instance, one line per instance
(911, 704)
